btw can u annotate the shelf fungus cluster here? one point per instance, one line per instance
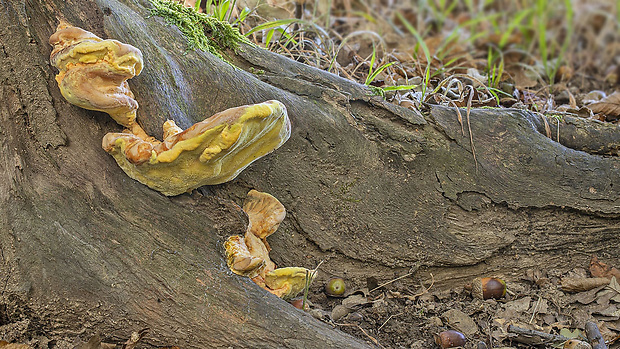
(249, 255)
(93, 74)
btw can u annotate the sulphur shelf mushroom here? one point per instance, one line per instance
(249, 255)
(93, 74)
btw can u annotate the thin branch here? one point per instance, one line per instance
(535, 337)
(535, 309)
(364, 332)
(388, 319)
(471, 136)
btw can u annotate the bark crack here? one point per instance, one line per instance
(29, 80)
(7, 270)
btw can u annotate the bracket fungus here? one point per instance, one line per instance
(249, 255)
(210, 152)
(93, 74)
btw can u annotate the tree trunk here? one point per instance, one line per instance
(370, 187)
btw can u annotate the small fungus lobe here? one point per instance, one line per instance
(249, 255)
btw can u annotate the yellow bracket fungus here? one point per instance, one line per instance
(93, 74)
(212, 151)
(249, 255)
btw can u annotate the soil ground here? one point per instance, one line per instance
(397, 316)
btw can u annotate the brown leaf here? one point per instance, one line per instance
(587, 297)
(609, 106)
(571, 284)
(524, 78)
(601, 270)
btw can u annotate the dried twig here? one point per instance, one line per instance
(456, 107)
(388, 319)
(415, 296)
(574, 284)
(363, 331)
(471, 136)
(428, 288)
(535, 309)
(310, 274)
(535, 337)
(411, 272)
(460, 117)
(547, 127)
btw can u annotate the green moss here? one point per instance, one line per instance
(202, 31)
(376, 91)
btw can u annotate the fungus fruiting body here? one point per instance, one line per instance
(210, 152)
(93, 74)
(265, 214)
(249, 255)
(288, 282)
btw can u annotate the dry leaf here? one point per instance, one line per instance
(616, 287)
(593, 96)
(524, 78)
(571, 334)
(600, 269)
(354, 300)
(570, 284)
(608, 106)
(93, 343)
(587, 297)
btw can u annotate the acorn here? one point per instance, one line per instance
(576, 344)
(335, 287)
(450, 339)
(485, 288)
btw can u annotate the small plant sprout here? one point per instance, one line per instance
(310, 275)
(372, 74)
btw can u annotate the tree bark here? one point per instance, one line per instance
(370, 187)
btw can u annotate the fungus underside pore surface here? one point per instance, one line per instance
(202, 31)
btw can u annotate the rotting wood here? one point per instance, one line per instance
(594, 336)
(119, 253)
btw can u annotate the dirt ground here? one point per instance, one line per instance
(397, 316)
